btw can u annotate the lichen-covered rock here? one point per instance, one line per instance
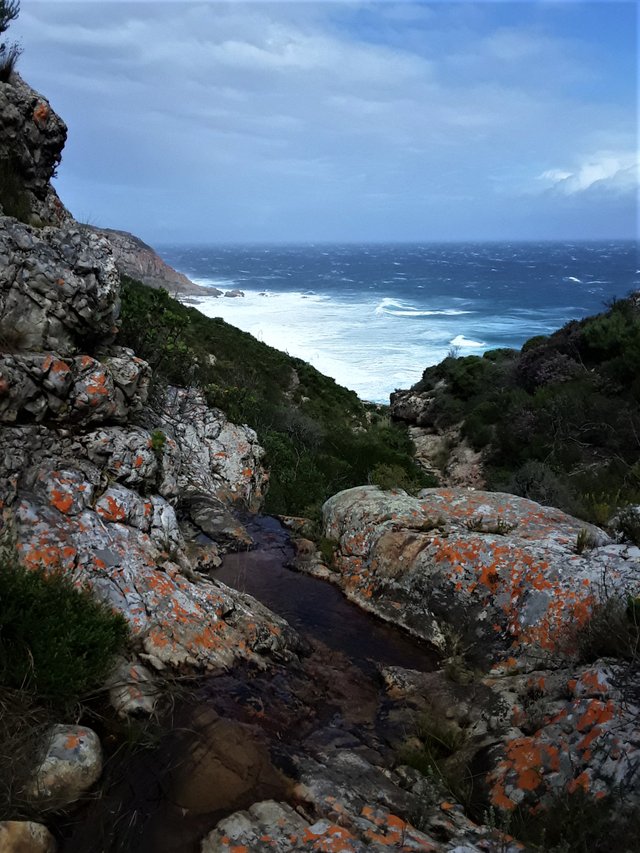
(32, 137)
(573, 729)
(25, 836)
(500, 570)
(133, 690)
(215, 456)
(81, 390)
(357, 804)
(72, 764)
(58, 288)
(130, 551)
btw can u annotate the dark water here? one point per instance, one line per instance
(164, 798)
(316, 608)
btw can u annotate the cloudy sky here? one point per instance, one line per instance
(312, 121)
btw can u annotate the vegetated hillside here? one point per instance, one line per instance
(319, 437)
(560, 420)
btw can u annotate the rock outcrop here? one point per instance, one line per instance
(71, 765)
(506, 585)
(93, 479)
(138, 260)
(32, 137)
(18, 836)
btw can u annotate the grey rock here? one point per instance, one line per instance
(72, 764)
(25, 836)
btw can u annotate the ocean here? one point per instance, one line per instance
(374, 316)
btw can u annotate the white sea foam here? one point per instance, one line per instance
(350, 340)
(465, 343)
(397, 308)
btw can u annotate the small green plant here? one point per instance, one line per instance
(432, 751)
(327, 548)
(9, 53)
(577, 823)
(498, 526)
(585, 541)
(158, 442)
(56, 641)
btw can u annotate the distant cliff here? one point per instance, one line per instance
(138, 260)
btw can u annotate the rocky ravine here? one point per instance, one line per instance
(118, 492)
(135, 498)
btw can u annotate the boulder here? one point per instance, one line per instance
(133, 690)
(25, 836)
(58, 290)
(501, 572)
(72, 764)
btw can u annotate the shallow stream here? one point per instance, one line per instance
(316, 608)
(229, 740)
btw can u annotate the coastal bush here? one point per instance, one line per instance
(432, 750)
(319, 437)
(56, 641)
(558, 422)
(628, 523)
(578, 823)
(612, 631)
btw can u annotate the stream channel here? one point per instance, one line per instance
(231, 740)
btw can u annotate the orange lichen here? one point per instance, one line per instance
(61, 500)
(113, 511)
(597, 712)
(72, 741)
(41, 114)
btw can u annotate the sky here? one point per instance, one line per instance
(208, 122)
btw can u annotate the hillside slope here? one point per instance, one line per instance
(557, 421)
(319, 436)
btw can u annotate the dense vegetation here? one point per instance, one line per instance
(56, 641)
(320, 438)
(559, 421)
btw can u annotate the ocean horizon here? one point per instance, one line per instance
(373, 316)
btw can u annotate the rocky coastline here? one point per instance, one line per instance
(137, 490)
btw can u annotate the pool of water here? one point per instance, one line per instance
(314, 607)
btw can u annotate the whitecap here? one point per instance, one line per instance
(572, 278)
(466, 343)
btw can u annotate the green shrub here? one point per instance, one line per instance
(577, 823)
(559, 421)
(628, 523)
(9, 55)
(55, 641)
(327, 548)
